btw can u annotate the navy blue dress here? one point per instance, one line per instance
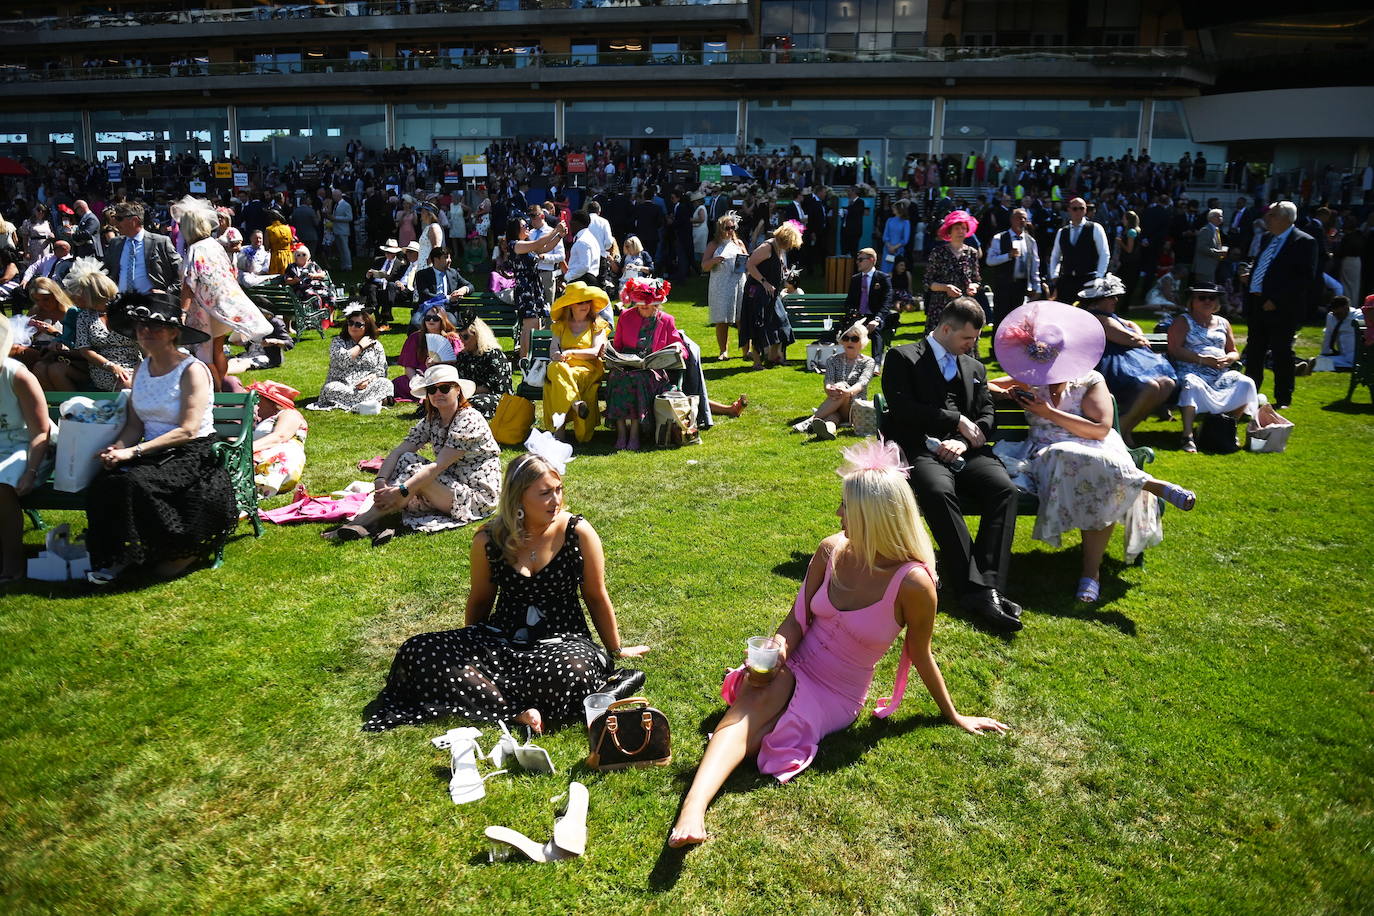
(1128, 369)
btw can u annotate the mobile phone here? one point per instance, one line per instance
(1021, 394)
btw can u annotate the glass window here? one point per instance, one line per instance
(46, 134)
(583, 55)
(281, 132)
(778, 123)
(428, 123)
(1042, 118)
(174, 131)
(707, 122)
(715, 51)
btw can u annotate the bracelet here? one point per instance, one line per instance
(405, 490)
(138, 450)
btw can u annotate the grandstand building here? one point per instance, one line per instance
(839, 79)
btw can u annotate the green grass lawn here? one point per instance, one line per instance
(1198, 742)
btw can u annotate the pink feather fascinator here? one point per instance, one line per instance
(875, 454)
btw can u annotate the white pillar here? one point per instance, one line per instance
(937, 125)
(1145, 135)
(390, 118)
(560, 132)
(233, 113)
(87, 148)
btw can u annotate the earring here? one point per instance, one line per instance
(520, 515)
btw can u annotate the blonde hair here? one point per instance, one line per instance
(859, 328)
(486, 338)
(505, 529)
(196, 218)
(882, 520)
(788, 237)
(88, 282)
(46, 285)
(633, 245)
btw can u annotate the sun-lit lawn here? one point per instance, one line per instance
(1198, 742)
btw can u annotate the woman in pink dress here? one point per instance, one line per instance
(862, 587)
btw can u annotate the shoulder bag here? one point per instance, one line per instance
(630, 733)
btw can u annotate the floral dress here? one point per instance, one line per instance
(1208, 389)
(487, 369)
(535, 651)
(280, 468)
(340, 390)
(529, 292)
(944, 266)
(219, 306)
(1088, 483)
(474, 479)
(92, 333)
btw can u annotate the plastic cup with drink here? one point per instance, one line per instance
(762, 659)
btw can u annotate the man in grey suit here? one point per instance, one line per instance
(1013, 266)
(1209, 249)
(89, 223)
(139, 260)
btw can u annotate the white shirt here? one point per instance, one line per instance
(585, 257)
(551, 259)
(1099, 236)
(601, 228)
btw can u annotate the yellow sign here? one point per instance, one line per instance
(224, 170)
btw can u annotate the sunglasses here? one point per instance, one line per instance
(864, 257)
(357, 324)
(1205, 297)
(442, 388)
(431, 318)
(849, 338)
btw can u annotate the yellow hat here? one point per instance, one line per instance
(575, 292)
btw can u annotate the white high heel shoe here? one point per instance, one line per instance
(466, 784)
(569, 834)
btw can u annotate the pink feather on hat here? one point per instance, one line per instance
(874, 454)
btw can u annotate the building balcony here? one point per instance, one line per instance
(933, 66)
(343, 20)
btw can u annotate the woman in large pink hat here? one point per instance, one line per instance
(952, 270)
(1078, 465)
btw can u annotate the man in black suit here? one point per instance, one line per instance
(1277, 292)
(140, 260)
(869, 300)
(378, 290)
(648, 221)
(935, 389)
(853, 221)
(438, 280)
(813, 255)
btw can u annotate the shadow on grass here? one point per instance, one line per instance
(1055, 575)
(1349, 407)
(837, 751)
(795, 567)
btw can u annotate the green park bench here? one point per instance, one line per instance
(233, 416)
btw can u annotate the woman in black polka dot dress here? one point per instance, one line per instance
(526, 652)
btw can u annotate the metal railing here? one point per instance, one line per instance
(537, 60)
(194, 15)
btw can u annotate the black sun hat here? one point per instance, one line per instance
(156, 307)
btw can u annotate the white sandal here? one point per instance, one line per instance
(466, 784)
(529, 755)
(569, 834)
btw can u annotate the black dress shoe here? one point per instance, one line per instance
(987, 609)
(1007, 605)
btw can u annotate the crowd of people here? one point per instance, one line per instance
(114, 304)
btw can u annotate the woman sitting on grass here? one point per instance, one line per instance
(357, 366)
(862, 587)
(459, 486)
(847, 375)
(525, 653)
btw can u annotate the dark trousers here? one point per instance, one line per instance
(983, 487)
(1068, 286)
(1005, 297)
(1271, 333)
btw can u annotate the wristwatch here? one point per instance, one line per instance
(138, 450)
(405, 490)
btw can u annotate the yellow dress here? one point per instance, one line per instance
(575, 380)
(278, 239)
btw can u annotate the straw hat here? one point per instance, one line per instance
(391, 247)
(438, 375)
(413, 246)
(576, 292)
(1047, 342)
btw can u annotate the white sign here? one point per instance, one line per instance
(197, 187)
(240, 179)
(474, 166)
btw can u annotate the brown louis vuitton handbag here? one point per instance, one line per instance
(630, 733)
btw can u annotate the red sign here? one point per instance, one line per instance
(577, 162)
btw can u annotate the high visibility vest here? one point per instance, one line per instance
(971, 161)
(1020, 193)
(1055, 193)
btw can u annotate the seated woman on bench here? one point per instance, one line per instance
(1082, 472)
(25, 440)
(162, 497)
(575, 368)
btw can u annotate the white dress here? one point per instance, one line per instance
(726, 285)
(1210, 390)
(1088, 483)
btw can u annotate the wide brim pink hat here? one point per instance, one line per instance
(957, 216)
(1047, 342)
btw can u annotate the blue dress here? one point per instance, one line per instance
(1128, 369)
